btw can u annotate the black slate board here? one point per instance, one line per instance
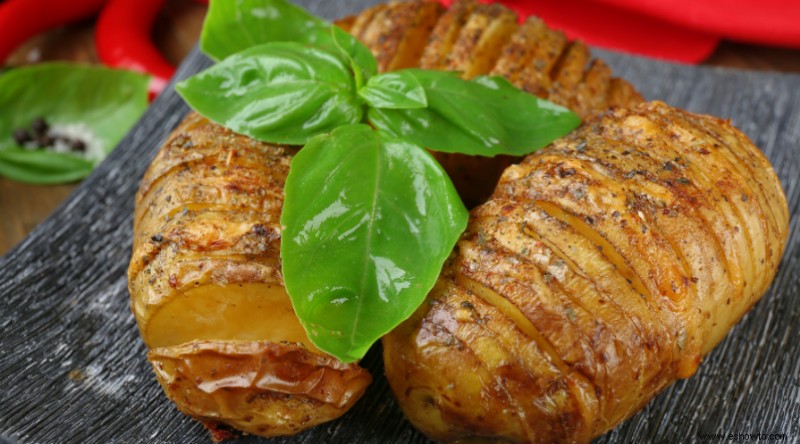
(73, 369)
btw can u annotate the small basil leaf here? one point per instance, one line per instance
(485, 117)
(277, 92)
(394, 90)
(369, 221)
(42, 167)
(232, 26)
(528, 120)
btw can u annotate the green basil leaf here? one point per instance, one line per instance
(528, 120)
(277, 92)
(486, 117)
(42, 167)
(232, 26)
(369, 221)
(107, 101)
(394, 90)
(104, 103)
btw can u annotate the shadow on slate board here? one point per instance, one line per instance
(73, 369)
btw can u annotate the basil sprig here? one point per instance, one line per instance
(289, 93)
(369, 215)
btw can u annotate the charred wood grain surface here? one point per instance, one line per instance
(73, 369)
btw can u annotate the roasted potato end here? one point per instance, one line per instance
(263, 388)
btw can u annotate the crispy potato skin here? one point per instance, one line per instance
(207, 216)
(602, 269)
(262, 388)
(479, 39)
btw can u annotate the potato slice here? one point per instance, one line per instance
(409, 51)
(481, 40)
(529, 57)
(397, 33)
(445, 34)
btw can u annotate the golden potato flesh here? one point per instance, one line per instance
(208, 295)
(236, 312)
(602, 269)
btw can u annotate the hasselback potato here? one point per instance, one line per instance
(204, 277)
(602, 269)
(486, 39)
(207, 291)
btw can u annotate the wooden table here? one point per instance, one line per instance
(25, 206)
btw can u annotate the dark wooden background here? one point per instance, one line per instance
(73, 369)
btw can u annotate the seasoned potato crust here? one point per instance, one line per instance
(602, 269)
(486, 39)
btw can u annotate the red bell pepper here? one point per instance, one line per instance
(122, 37)
(23, 19)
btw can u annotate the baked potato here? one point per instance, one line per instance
(486, 39)
(602, 269)
(207, 291)
(205, 277)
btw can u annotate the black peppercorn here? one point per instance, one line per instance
(44, 140)
(22, 136)
(40, 126)
(78, 145)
